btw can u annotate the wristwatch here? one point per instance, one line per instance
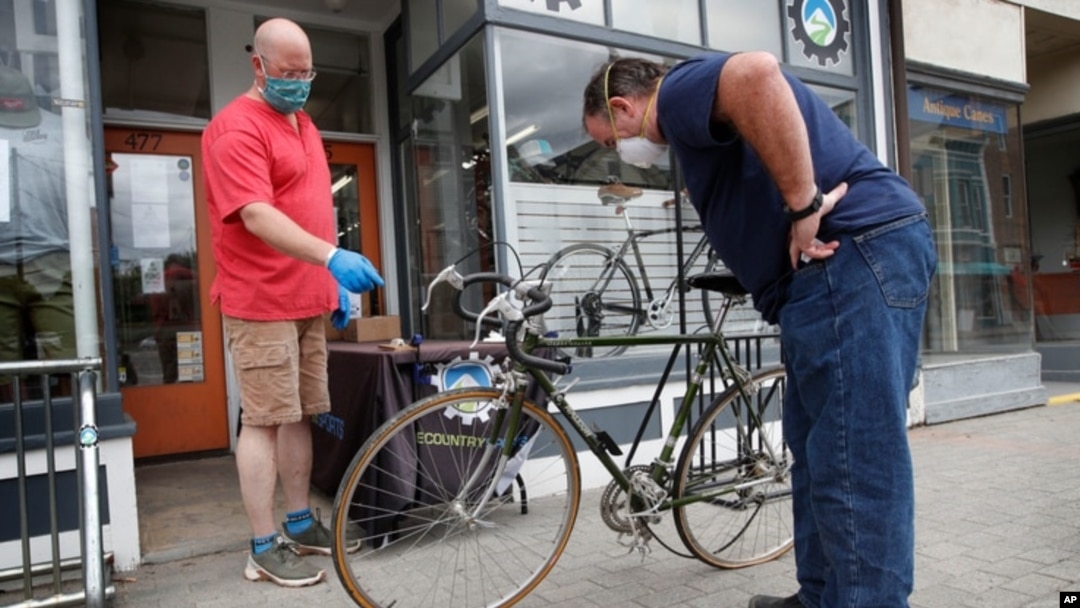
(805, 212)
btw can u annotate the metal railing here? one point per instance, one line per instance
(83, 374)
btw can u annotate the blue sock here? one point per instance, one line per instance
(298, 521)
(262, 543)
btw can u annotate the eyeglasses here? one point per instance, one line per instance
(305, 75)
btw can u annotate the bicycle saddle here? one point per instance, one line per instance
(614, 194)
(723, 282)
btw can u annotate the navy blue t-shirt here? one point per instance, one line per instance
(737, 200)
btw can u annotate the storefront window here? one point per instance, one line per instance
(738, 25)
(456, 13)
(1053, 178)
(842, 103)
(546, 143)
(447, 160)
(556, 172)
(154, 59)
(671, 20)
(423, 31)
(341, 96)
(48, 304)
(966, 166)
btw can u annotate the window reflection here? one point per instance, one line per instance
(153, 58)
(423, 31)
(980, 301)
(45, 288)
(546, 142)
(672, 20)
(341, 95)
(449, 164)
(155, 269)
(739, 25)
(842, 103)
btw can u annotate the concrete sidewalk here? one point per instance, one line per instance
(998, 524)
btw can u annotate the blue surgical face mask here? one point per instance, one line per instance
(285, 96)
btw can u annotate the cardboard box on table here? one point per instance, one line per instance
(366, 328)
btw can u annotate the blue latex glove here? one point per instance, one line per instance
(340, 317)
(353, 271)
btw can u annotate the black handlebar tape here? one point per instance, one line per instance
(533, 361)
(480, 277)
(541, 302)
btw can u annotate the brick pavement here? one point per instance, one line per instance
(998, 525)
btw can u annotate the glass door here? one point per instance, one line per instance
(352, 174)
(169, 338)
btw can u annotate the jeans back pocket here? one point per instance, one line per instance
(902, 257)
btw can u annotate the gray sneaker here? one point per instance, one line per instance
(316, 539)
(281, 565)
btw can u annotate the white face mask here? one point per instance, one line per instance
(640, 152)
(637, 151)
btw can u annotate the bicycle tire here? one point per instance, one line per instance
(419, 547)
(747, 526)
(580, 310)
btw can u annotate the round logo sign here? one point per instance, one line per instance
(821, 27)
(463, 373)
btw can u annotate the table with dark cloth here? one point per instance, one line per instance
(368, 386)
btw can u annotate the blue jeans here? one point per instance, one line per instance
(850, 329)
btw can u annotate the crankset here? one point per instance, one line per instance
(615, 505)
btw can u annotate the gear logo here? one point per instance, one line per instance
(821, 27)
(464, 373)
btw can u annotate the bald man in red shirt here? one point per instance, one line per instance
(278, 273)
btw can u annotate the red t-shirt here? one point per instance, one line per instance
(251, 153)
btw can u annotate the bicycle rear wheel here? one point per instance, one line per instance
(592, 295)
(416, 487)
(752, 523)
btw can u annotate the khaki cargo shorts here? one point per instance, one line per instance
(280, 369)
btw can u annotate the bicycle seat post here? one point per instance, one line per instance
(618, 194)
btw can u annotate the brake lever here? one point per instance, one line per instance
(448, 274)
(499, 303)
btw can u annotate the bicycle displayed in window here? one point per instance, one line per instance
(596, 290)
(472, 493)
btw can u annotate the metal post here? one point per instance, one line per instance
(20, 459)
(93, 562)
(50, 471)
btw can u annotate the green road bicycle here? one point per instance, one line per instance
(467, 498)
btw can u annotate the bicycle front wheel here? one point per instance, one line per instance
(440, 525)
(592, 295)
(740, 470)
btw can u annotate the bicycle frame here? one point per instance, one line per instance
(653, 307)
(714, 350)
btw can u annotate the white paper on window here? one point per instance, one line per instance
(153, 275)
(150, 224)
(149, 179)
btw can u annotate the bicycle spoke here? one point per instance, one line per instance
(406, 495)
(736, 462)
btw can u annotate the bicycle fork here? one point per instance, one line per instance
(500, 448)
